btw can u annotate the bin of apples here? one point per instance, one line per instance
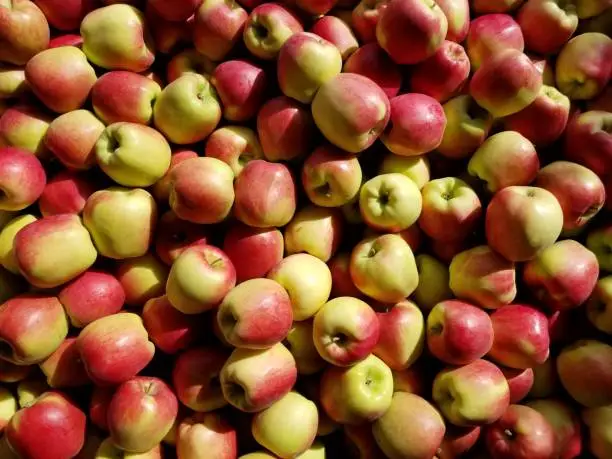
(305, 229)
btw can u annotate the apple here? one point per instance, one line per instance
(458, 333)
(559, 19)
(360, 442)
(7, 238)
(411, 30)
(31, 389)
(533, 217)
(142, 278)
(371, 61)
(8, 407)
(234, 145)
(22, 178)
(520, 382)
(316, 7)
(599, 306)
(473, 394)
(416, 168)
(404, 338)
(345, 331)
(161, 188)
(65, 15)
(588, 141)
(285, 129)
(64, 368)
(565, 423)
(68, 39)
(521, 338)
(167, 36)
(206, 434)
(24, 126)
(174, 235)
(24, 31)
(342, 284)
(336, 104)
(115, 348)
(599, 241)
(458, 441)
(433, 286)
(107, 449)
(253, 379)
(13, 82)
(189, 61)
(411, 380)
(364, 18)
(338, 32)
(494, 6)
(598, 422)
(457, 13)
(489, 35)
(300, 343)
(65, 193)
(324, 222)
(218, 26)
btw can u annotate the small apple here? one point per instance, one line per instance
(588, 141)
(24, 126)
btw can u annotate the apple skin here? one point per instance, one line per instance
(25, 32)
(442, 75)
(521, 338)
(253, 379)
(518, 210)
(588, 142)
(458, 441)
(217, 27)
(403, 339)
(206, 434)
(92, 295)
(174, 235)
(457, 13)
(107, 448)
(489, 35)
(65, 16)
(174, 10)
(342, 284)
(13, 82)
(265, 194)
(234, 145)
(68, 39)
(458, 333)
(324, 222)
(31, 389)
(480, 382)
(161, 188)
(565, 423)
(351, 111)
(520, 432)
(52, 427)
(598, 423)
(13, 373)
(550, 108)
(189, 61)
(7, 238)
(416, 168)
(599, 306)
(411, 428)
(22, 178)
(114, 349)
(285, 128)
(371, 61)
(124, 96)
(8, 408)
(599, 241)
(433, 282)
(590, 357)
(558, 19)
(24, 126)
(63, 368)
(300, 342)
(364, 17)
(520, 382)
(410, 30)
(338, 32)
(584, 65)
(344, 398)
(65, 193)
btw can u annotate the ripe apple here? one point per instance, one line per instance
(174, 235)
(24, 126)
(371, 61)
(64, 15)
(520, 382)
(565, 423)
(22, 178)
(433, 282)
(217, 27)
(457, 13)
(588, 141)
(599, 306)
(416, 168)
(206, 434)
(315, 230)
(64, 367)
(142, 278)
(364, 18)
(7, 238)
(300, 343)
(234, 145)
(489, 35)
(65, 193)
(458, 441)
(338, 32)
(24, 31)
(174, 10)
(559, 19)
(342, 284)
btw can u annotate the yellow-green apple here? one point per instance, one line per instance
(342, 284)
(7, 238)
(98, 406)
(92, 295)
(415, 168)
(549, 110)
(565, 423)
(161, 188)
(586, 357)
(54, 250)
(316, 231)
(305, 63)
(64, 368)
(8, 407)
(119, 153)
(365, 17)
(12, 373)
(175, 10)
(345, 331)
(241, 86)
(265, 194)
(505, 159)
(65, 15)
(457, 13)
(458, 333)
(563, 275)
(451, 209)
(472, 394)
(441, 75)
(124, 96)
(351, 111)
(588, 141)
(61, 78)
(584, 65)
(467, 127)
(24, 125)
(22, 178)
(521, 338)
(218, 26)
(558, 19)
(599, 306)
(338, 32)
(416, 125)
(206, 434)
(116, 37)
(189, 61)
(411, 30)
(285, 128)
(52, 427)
(199, 279)
(433, 284)
(234, 145)
(72, 138)
(410, 428)
(310, 387)
(360, 442)
(253, 379)
(522, 220)
(520, 382)
(115, 348)
(383, 267)
(493, 6)
(202, 190)
(13, 82)
(65, 193)
(359, 393)
(598, 421)
(578, 189)
(121, 221)
(482, 276)
(24, 31)
(108, 450)
(372, 62)
(599, 241)
(288, 427)
(174, 235)
(268, 27)
(307, 280)
(390, 202)
(300, 343)
(188, 109)
(458, 441)
(142, 278)
(402, 337)
(255, 314)
(489, 35)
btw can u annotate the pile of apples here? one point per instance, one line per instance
(313, 229)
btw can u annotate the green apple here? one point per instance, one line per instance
(433, 284)
(599, 306)
(415, 168)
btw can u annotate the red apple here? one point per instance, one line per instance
(338, 32)
(98, 406)
(342, 283)
(68, 39)
(371, 61)
(65, 193)
(65, 15)
(217, 27)
(22, 178)
(458, 441)
(365, 17)
(490, 34)
(24, 126)
(161, 189)
(206, 434)
(520, 382)
(175, 10)
(457, 13)
(64, 367)
(234, 145)
(588, 141)
(24, 31)
(547, 24)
